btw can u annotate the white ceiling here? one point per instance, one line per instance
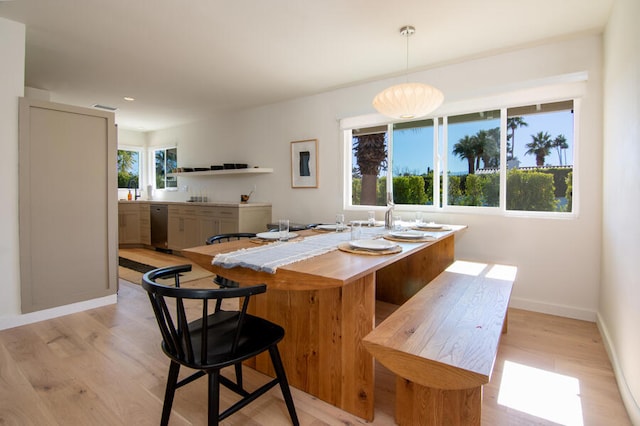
(180, 58)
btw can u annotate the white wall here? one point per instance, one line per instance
(12, 52)
(131, 138)
(619, 309)
(558, 260)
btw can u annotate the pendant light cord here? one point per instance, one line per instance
(406, 74)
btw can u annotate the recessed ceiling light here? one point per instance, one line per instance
(129, 98)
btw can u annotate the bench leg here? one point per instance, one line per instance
(419, 405)
(505, 324)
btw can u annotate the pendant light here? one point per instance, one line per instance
(408, 100)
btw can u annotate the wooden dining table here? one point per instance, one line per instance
(326, 304)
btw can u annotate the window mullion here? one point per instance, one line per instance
(436, 164)
(503, 160)
(445, 166)
(389, 194)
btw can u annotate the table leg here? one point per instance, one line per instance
(322, 351)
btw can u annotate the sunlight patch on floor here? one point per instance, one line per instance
(544, 394)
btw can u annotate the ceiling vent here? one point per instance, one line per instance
(105, 107)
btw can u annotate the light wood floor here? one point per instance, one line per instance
(105, 367)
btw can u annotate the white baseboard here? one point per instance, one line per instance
(553, 309)
(627, 398)
(18, 320)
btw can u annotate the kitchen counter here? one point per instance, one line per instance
(175, 225)
(195, 203)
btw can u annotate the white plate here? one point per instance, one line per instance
(275, 235)
(430, 226)
(366, 222)
(327, 227)
(407, 234)
(372, 244)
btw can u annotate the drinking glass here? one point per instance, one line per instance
(397, 223)
(356, 230)
(418, 218)
(340, 222)
(371, 218)
(283, 227)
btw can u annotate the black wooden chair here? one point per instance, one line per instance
(213, 341)
(221, 238)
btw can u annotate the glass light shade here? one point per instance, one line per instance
(408, 100)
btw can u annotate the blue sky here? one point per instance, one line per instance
(413, 149)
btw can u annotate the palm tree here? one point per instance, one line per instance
(539, 146)
(491, 147)
(371, 157)
(127, 175)
(512, 124)
(560, 144)
(466, 148)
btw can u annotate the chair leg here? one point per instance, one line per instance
(214, 397)
(170, 391)
(239, 375)
(284, 384)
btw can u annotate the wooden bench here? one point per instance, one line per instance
(442, 344)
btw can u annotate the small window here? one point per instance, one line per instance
(369, 147)
(413, 165)
(474, 159)
(540, 157)
(128, 169)
(166, 161)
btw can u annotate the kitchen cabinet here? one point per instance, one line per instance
(218, 220)
(190, 224)
(133, 223)
(145, 224)
(128, 224)
(183, 228)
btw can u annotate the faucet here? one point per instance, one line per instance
(135, 188)
(388, 216)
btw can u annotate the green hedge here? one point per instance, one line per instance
(530, 191)
(527, 190)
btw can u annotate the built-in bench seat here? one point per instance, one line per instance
(442, 343)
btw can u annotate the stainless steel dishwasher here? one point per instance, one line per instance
(159, 216)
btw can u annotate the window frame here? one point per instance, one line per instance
(572, 89)
(152, 163)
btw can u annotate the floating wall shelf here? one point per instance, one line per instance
(248, 171)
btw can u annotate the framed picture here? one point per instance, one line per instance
(304, 164)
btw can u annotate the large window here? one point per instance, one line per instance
(510, 159)
(166, 161)
(128, 169)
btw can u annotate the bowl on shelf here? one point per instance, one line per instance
(241, 166)
(217, 167)
(229, 165)
(201, 169)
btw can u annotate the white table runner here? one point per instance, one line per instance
(269, 257)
